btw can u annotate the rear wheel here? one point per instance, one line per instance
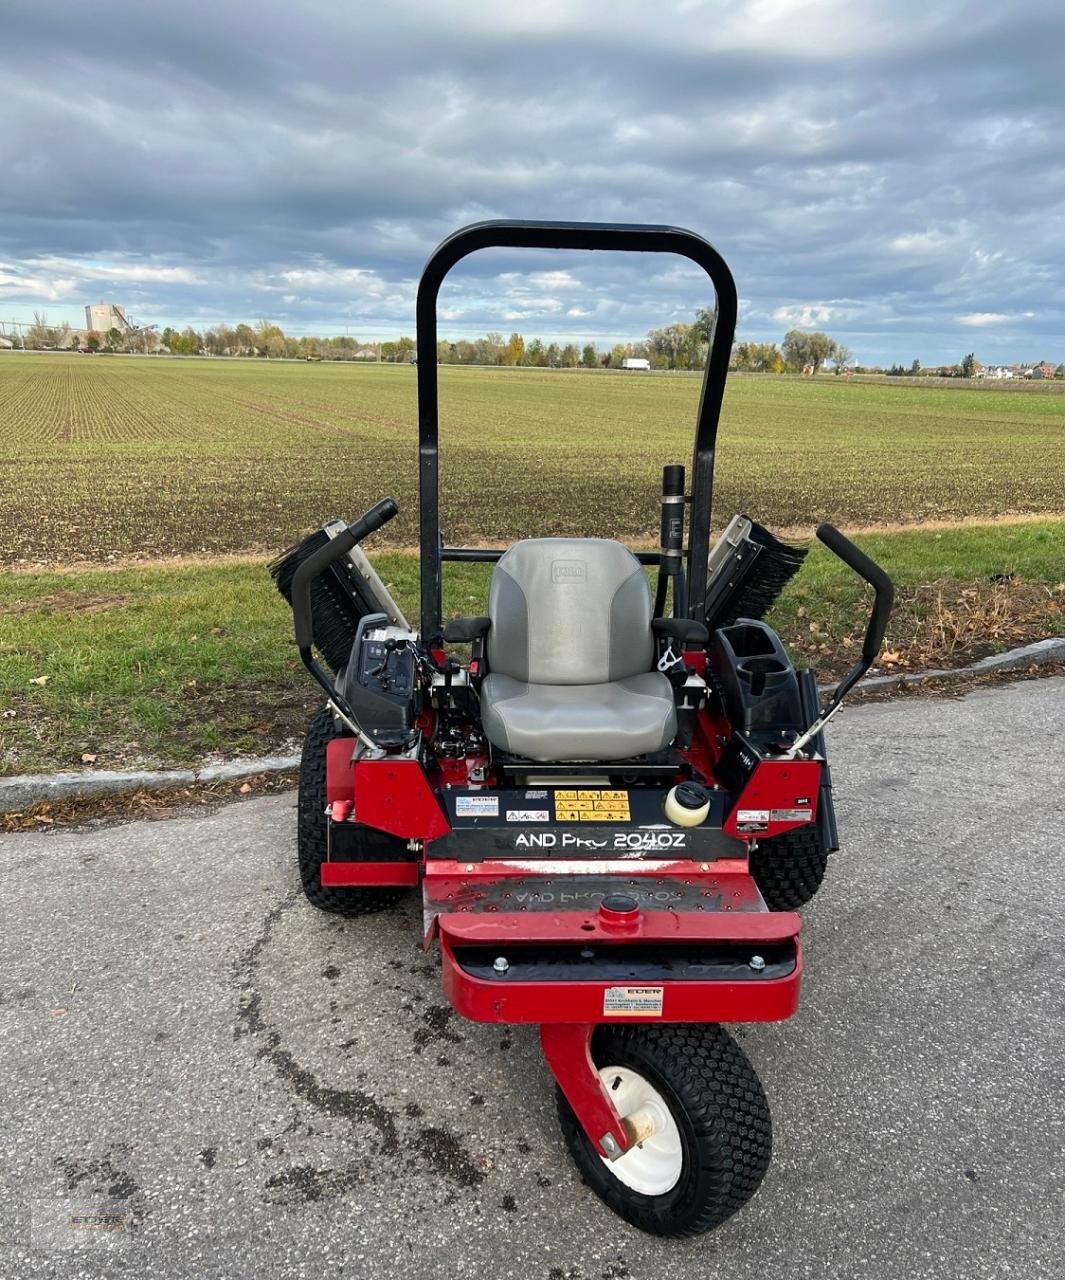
(710, 1129)
(788, 869)
(312, 832)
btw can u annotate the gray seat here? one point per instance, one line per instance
(570, 651)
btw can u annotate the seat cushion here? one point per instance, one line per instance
(569, 611)
(551, 722)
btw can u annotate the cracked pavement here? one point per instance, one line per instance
(273, 1092)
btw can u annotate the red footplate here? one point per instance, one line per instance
(646, 945)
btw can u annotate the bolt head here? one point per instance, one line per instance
(757, 963)
(501, 964)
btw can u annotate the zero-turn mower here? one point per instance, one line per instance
(612, 807)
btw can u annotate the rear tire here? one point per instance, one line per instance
(312, 831)
(788, 869)
(715, 1149)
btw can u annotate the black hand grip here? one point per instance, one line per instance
(380, 513)
(854, 558)
(317, 563)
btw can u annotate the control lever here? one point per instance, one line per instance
(856, 559)
(391, 644)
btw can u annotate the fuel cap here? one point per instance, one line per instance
(688, 804)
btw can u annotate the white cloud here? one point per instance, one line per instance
(806, 315)
(981, 319)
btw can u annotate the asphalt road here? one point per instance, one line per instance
(276, 1093)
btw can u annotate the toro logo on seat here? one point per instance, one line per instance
(569, 571)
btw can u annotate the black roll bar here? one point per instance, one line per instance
(568, 235)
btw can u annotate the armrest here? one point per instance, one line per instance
(466, 630)
(683, 630)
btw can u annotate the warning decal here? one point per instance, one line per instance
(592, 806)
(620, 1002)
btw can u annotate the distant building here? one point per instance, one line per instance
(1044, 370)
(634, 362)
(102, 316)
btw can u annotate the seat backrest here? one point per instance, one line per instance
(569, 611)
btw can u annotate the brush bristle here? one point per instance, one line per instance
(750, 581)
(336, 614)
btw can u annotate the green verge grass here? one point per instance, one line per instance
(115, 456)
(165, 665)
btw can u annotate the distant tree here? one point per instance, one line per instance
(186, 343)
(170, 334)
(706, 323)
(802, 349)
(40, 334)
(841, 357)
(514, 352)
(915, 369)
(270, 339)
(756, 357)
(488, 349)
(115, 338)
(535, 356)
(619, 352)
(93, 341)
(553, 354)
(968, 366)
(570, 356)
(590, 357)
(675, 347)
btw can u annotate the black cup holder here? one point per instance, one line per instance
(763, 673)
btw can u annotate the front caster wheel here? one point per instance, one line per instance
(692, 1090)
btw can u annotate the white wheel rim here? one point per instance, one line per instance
(654, 1166)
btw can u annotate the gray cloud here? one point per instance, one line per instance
(895, 175)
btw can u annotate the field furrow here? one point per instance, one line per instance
(110, 457)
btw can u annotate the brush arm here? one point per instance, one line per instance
(317, 563)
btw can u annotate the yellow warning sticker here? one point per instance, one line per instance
(592, 806)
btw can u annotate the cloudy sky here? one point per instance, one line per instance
(894, 174)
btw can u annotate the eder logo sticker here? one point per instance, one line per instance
(476, 806)
(569, 571)
(619, 1002)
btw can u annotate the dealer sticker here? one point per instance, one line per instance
(753, 815)
(621, 1002)
(528, 815)
(476, 806)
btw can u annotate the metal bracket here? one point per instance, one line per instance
(568, 1050)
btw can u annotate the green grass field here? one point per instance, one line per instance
(162, 665)
(105, 459)
(116, 456)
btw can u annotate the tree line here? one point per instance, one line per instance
(677, 346)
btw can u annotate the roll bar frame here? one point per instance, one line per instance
(566, 235)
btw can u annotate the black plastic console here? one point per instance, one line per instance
(755, 679)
